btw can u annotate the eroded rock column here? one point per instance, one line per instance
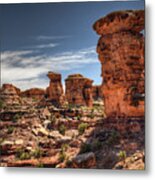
(55, 90)
(79, 90)
(121, 53)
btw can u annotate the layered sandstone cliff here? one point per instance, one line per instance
(10, 94)
(121, 53)
(79, 90)
(36, 93)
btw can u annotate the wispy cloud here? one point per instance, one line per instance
(28, 69)
(42, 46)
(42, 37)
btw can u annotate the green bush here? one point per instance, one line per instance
(96, 145)
(53, 118)
(62, 156)
(82, 127)
(122, 155)
(21, 154)
(1, 104)
(64, 147)
(85, 148)
(62, 129)
(40, 165)
(10, 129)
(37, 153)
(16, 117)
(79, 117)
(114, 138)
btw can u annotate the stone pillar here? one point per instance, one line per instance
(121, 53)
(79, 90)
(55, 90)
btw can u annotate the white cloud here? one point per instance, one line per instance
(52, 37)
(41, 46)
(27, 69)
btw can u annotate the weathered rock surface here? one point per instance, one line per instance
(35, 93)
(121, 53)
(120, 21)
(135, 161)
(84, 160)
(79, 90)
(10, 94)
(55, 90)
(97, 92)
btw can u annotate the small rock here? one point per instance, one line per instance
(86, 160)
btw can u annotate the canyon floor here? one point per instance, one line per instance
(38, 134)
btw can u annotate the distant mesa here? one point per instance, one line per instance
(36, 93)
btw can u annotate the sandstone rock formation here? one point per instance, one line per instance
(55, 90)
(79, 90)
(97, 92)
(36, 93)
(121, 53)
(10, 94)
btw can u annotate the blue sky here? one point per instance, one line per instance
(37, 38)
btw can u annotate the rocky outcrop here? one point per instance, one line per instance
(84, 160)
(120, 21)
(121, 53)
(36, 93)
(10, 94)
(79, 90)
(55, 90)
(97, 92)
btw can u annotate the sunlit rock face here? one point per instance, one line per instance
(10, 94)
(55, 90)
(79, 90)
(120, 21)
(120, 50)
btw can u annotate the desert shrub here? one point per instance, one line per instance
(91, 115)
(62, 154)
(53, 118)
(21, 154)
(10, 129)
(16, 117)
(70, 107)
(40, 165)
(64, 147)
(37, 153)
(85, 148)
(34, 99)
(68, 163)
(114, 137)
(96, 145)
(78, 117)
(82, 127)
(62, 129)
(1, 104)
(122, 155)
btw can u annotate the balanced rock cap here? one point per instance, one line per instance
(120, 21)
